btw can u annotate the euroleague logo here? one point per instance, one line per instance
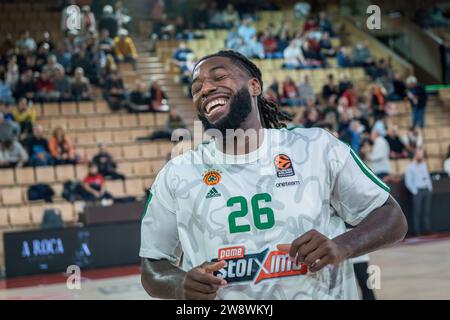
(256, 267)
(212, 177)
(283, 166)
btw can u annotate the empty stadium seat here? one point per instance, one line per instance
(12, 195)
(45, 174)
(134, 187)
(149, 150)
(25, 175)
(4, 221)
(65, 172)
(115, 187)
(37, 213)
(142, 168)
(69, 108)
(131, 152)
(7, 177)
(67, 212)
(80, 171)
(19, 216)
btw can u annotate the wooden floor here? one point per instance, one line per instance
(416, 269)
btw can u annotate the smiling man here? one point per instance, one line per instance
(262, 216)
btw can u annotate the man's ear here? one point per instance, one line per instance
(254, 87)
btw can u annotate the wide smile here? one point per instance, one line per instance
(215, 108)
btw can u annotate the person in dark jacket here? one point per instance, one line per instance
(37, 148)
(105, 163)
(418, 97)
(108, 21)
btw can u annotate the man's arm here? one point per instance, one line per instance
(384, 226)
(162, 279)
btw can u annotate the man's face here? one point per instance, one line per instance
(221, 93)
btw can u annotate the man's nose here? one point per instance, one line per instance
(208, 86)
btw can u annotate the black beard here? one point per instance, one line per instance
(240, 108)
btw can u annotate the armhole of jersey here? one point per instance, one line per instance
(369, 173)
(150, 195)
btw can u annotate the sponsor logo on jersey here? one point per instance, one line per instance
(212, 177)
(287, 184)
(213, 193)
(256, 267)
(283, 166)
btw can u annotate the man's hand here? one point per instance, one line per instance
(200, 283)
(315, 250)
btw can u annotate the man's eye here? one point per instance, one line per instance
(220, 78)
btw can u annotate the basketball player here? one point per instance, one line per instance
(263, 220)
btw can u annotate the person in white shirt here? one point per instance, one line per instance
(379, 155)
(418, 182)
(293, 56)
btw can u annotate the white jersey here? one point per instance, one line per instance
(240, 210)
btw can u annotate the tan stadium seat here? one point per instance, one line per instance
(131, 152)
(102, 107)
(19, 216)
(146, 119)
(65, 172)
(125, 168)
(134, 187)
(444, 132)
(142, 168)
(136, 133)
(115, 187)
(77, 123)
(67, 212)
(12, 195)
(45, 174)
(401, 165)
(165, 148)
(87, 107)
(129, 120)
(149, 150)
(157, 165)
(121, 136)
(4, 221)
(59, 122)
(6, 177)
(37, 213)
(147, 183)
(433, 148)
(69, 108)
(89, 152)
(94, 122)
(104, 136)
(86, 138)
(161, 119)
(116, 152)
(434, 164)
(80, 171)
(112, 121)
(51, 109)
(25, 175)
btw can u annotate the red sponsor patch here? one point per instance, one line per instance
(235, 252)
(278, 264)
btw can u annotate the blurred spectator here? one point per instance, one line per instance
(158, 98)
(418, 182)
(109, 21)
(358, 115)
(326, 47)
(37, 148)
(114, 91)
(418, 97)
(87, 20)
(381, 68)
(105, 163)
(82, 60)
(12, 72)
(293, 56)
(94, 185)
(26, 41)
(399, 88)
(310, 25)
(123, 18)
(12, 154)
(63, 85)
(105, 42)
(80, 85)
(351, 95)
(25, 115)
(330, 88)
(174, 121)
(230, 16)
(325, 24)
(6, 95)
(139, 100)
(61, 147)
(312, 118)
(63, 56)
(52, 67)
(9, 130)
(46, 38)
(269, 42)
(344, 83)
(380, 125)
(302, 9)
(447, 162)
(398, 149)
(379, 155)
(7, 45)
(283, 41)
(46, 88)
(376, 100)
(413, 139)
(354, 135)
(187, 68)
(343, 58)
(306, 91)
(180, 55)
(125, 49)
(233, 39)
(289, 93)
(255, 49)
(361, 55)
(246, 31)
(330, 112)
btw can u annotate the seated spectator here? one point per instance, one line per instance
(353, 136)
(80, 85)
(293, 56)
(246, 31)
(376, 100)
(125, 49)
(255, 49)
(109, 21)
(289, 93)
(37, 148)
(186, 70)
(87, 20)
(313, 57)
(105, 163)
(94, 186)
(174, 121)
(344, 83)
(364, 122)
(270, 45)
(138, 99)
(52, 67)
(230, 16)
(9, 130)
(413, 140)
(12, 72)
(158, 98)
(399, 93)
(326, 47)
(283, 41)
(233, 39)
(447, 162)
(81, 59)
(61, 148)
(63, 56)
(26, 87)
(380, 125)
(396, 146)
(306, 91)
(46, 38)
(26, 41)
(343, 58)
(379, 155)
(331, 113)
(105, 42)
(63, 85)
(381, 68)
(46, 88)
(361, 55)
(114, 91)
(351, 95)
(330, 88)
(180, 54)
(310, 25)
(25, 115)
(6, 94)
(312, 118)
(12, 154)
(325, 24)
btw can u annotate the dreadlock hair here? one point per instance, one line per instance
(271, 114)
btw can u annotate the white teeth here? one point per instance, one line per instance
(220, 101)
